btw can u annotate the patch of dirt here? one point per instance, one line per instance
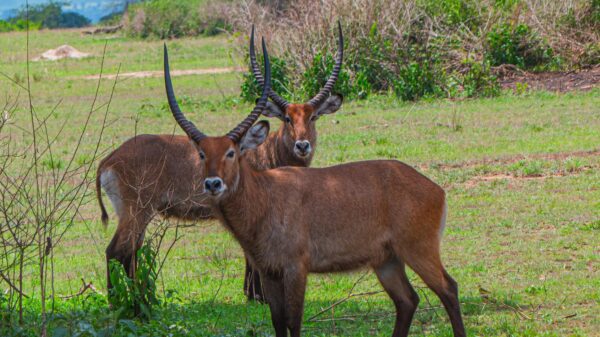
(584, 79)
(64, 51)
(503, 176)
(160, 73)
(513, 159)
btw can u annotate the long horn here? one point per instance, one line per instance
(190, 129)
(282, 103)
(237, 133)
(324, 93)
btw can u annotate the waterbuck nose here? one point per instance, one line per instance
(302, 147)
(213, 185)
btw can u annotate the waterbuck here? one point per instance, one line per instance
(295, 141)
(292, 221)
(151, 175)
(145, 176)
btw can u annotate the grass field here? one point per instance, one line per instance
(521, 174)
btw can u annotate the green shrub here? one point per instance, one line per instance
(250, 89)
(18, 25)
(130, 297)
(415, 81)
(454, 12)
(518, 45)
(315, 77)
(374, 64)
(478, 81)
(171, 19)
(162, 19)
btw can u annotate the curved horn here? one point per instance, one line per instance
(236, 134)
(282, 103)
(190, 129)
(324, 93)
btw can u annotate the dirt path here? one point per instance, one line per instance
(585, 79)
(160, 73)
(516, 158)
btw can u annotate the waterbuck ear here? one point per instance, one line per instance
(331, 105)
(255, 136)
(272, 110)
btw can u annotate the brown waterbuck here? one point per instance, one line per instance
(292, 221)
(151, 175)
(145, 176)
(295, 141)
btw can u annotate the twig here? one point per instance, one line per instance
(14, 287)
(338, 302)
(83, 289)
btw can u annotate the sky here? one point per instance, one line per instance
(92, 9)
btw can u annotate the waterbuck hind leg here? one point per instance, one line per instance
(426, 262)
(392, 276)
(252, 284)
(128, 238)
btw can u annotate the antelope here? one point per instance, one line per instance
(143, 177)
(291, 221)
(297, 131)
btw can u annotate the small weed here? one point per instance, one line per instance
(386, 153)
(18, 78)
(521, 88)
(592, 226)
(382, 141)
(524, 168)
(573, 164)
(53, 163)
(535, 127)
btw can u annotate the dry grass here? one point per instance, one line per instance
(301, 28)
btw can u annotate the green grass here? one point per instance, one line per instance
(522, 233)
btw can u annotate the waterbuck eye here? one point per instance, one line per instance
(202, 156)
(288, 119)
(313, 118)
(230, 154)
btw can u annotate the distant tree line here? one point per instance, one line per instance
(49, 15)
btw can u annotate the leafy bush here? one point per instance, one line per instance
(250, 89)
(170, 19)
(128, 297)
(479, 81)
(17, 25)
(415, 81)
(454, 12)
(518, 45)
(377, 60)
(315, 77)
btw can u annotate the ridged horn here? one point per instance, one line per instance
(190, 129)
(282, 103)
(236, 134)
(326, 90)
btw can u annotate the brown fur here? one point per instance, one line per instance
(292, 221)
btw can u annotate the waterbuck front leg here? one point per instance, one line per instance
(252, 285)
(294, 282)
(274, 292)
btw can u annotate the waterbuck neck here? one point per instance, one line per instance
(242, 209)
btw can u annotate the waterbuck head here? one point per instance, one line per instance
(220, 156)
(298, 129)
